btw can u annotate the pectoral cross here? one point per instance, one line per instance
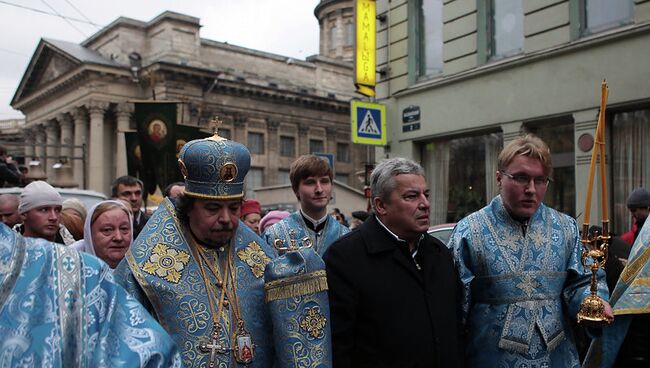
(214, 346)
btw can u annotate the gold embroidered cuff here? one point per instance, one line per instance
(295, 286)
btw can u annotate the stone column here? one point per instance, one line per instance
(272, 151)
(52, 149)
(97, 179)
(303, 139)
(330, 143)
(239, 123)
(65, 121)
(124, 112)
(511, 131)
(586, 122)
(39, 151)
(80, 117)
(30, 141)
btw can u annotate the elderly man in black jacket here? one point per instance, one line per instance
(393, 289)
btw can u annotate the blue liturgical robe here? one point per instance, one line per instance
(520, 291)
(630, 297)
(293, 227)
(161, 270)
(60, 308)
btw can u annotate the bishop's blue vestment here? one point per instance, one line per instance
(61, 308)
(522, 286)
(162, 270)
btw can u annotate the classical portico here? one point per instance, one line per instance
(82, 136)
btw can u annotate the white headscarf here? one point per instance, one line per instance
(86, 244)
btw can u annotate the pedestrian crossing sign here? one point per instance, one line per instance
(368, 123)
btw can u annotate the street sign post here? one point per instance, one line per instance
(368, 123)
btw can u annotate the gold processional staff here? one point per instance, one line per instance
(596, 244)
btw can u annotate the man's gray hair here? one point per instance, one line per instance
(381, 180)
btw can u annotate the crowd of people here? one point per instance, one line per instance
(212, 279)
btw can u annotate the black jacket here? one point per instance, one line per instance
(387, 313)
(8, 174)
(138, 223)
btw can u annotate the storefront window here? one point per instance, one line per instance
(461, 175)
(630, 162)
(558, 135)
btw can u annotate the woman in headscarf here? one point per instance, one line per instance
(108, 232)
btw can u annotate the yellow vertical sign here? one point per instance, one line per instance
(364, 63)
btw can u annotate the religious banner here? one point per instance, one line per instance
(156, 124)
(153, 151)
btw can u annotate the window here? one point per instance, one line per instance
(349, 34)
(506, 26)
(630, 158)
(429, 36)
(342, 152)
(224, 133)
(287, 146)
(460, 174)
(333, 32)
(283, 177)
(256, 142)
(315, 145)
(603, 14)
(254, 180)
(558, 135)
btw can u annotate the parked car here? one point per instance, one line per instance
(442, 231)
(88, 197)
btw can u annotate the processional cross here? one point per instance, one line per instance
(214, 124)
(214, 347)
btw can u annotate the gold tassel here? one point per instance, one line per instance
(296, 286)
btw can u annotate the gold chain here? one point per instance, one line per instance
(232, 294)
(216, 312)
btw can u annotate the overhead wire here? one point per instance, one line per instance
(82, 14)
(66, 20)
(49, 13)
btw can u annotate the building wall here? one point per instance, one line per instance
(557, 73)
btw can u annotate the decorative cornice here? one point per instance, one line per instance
(234, 87)
(67, 81)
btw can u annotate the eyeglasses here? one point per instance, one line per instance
(523, 179)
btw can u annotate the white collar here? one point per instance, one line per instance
(417, 245)
(314, 222)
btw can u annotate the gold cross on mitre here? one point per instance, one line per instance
(214, 125)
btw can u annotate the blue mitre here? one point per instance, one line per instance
(214, 168)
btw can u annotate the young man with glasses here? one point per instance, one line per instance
(520, 264)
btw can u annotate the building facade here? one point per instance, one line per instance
(466, 76)
(82, 95)
(336, 21)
